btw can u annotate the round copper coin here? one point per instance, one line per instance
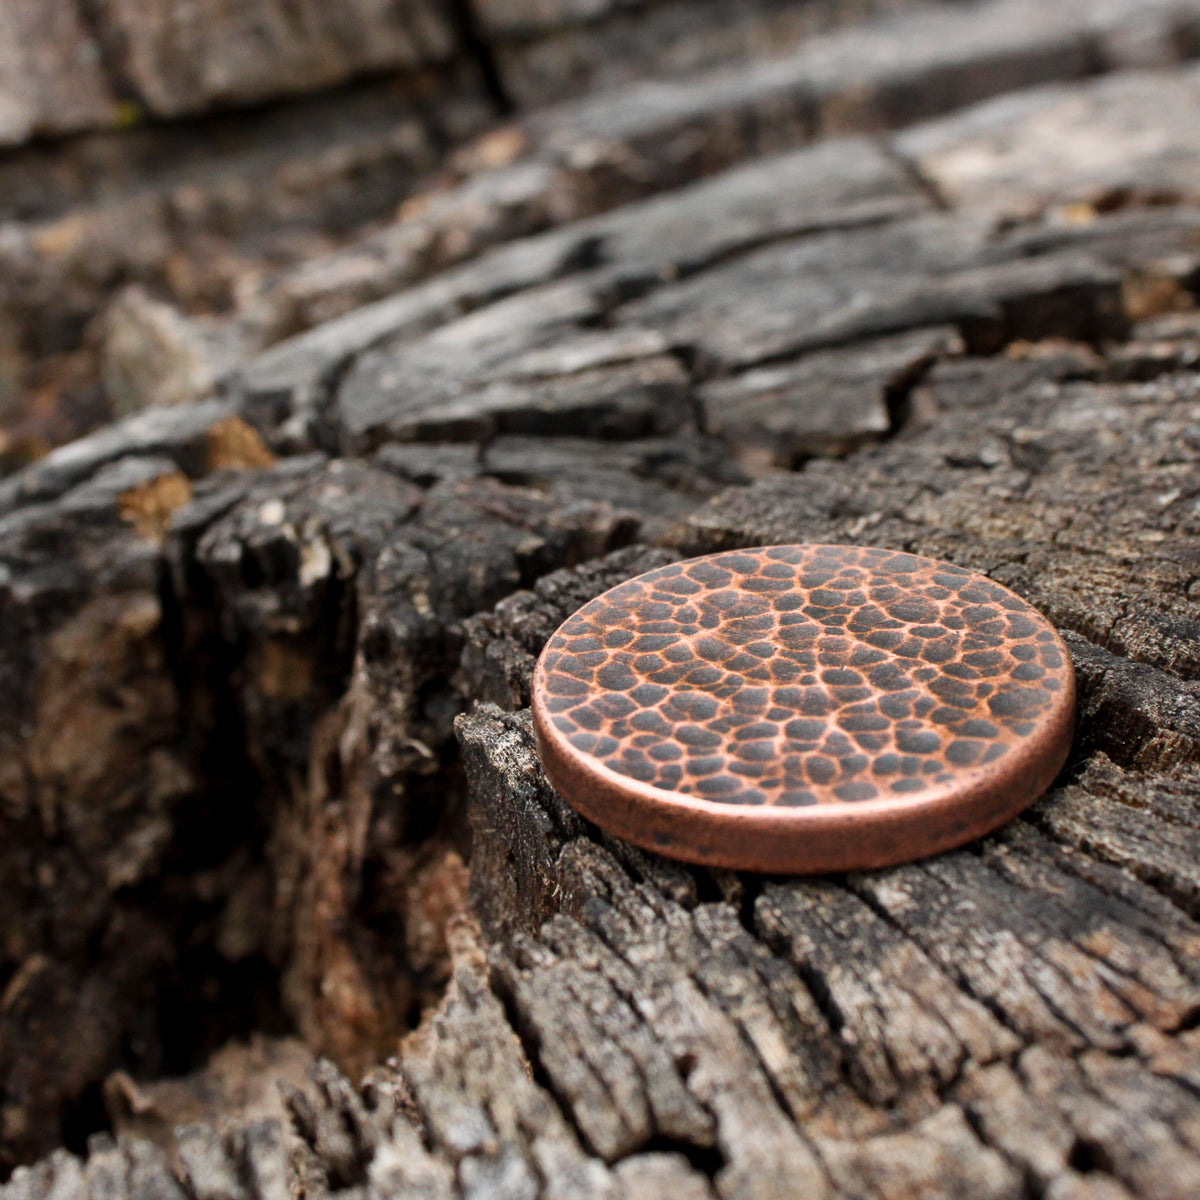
(804, 708)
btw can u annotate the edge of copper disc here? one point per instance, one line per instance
(819, 838)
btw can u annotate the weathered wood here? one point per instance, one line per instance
(927, 985)
(258, 226)
(157, 57)
(274, 773)
(621, 143)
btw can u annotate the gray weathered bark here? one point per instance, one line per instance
(264, 623)
(267, 221)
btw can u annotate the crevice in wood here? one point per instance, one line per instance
(112, 53)
(481, 51)
(705, 1160)
(1088, 1157)
(922, 180)
(1161, 882)
(989, 1002)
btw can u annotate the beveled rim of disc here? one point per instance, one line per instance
(807, 708)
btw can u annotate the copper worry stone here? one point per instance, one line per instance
(804, 708)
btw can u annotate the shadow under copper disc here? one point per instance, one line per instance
(803, 708)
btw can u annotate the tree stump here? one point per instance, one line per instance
(269, 766)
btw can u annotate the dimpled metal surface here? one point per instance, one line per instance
(803, 708)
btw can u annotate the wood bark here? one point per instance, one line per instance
(268, 659)
(272, 166)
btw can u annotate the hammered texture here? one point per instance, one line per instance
(802, 675)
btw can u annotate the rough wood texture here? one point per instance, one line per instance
(169, 59)
(259, 618)
(72, 65)
(137, 266)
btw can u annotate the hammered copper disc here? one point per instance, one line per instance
(804, 708)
